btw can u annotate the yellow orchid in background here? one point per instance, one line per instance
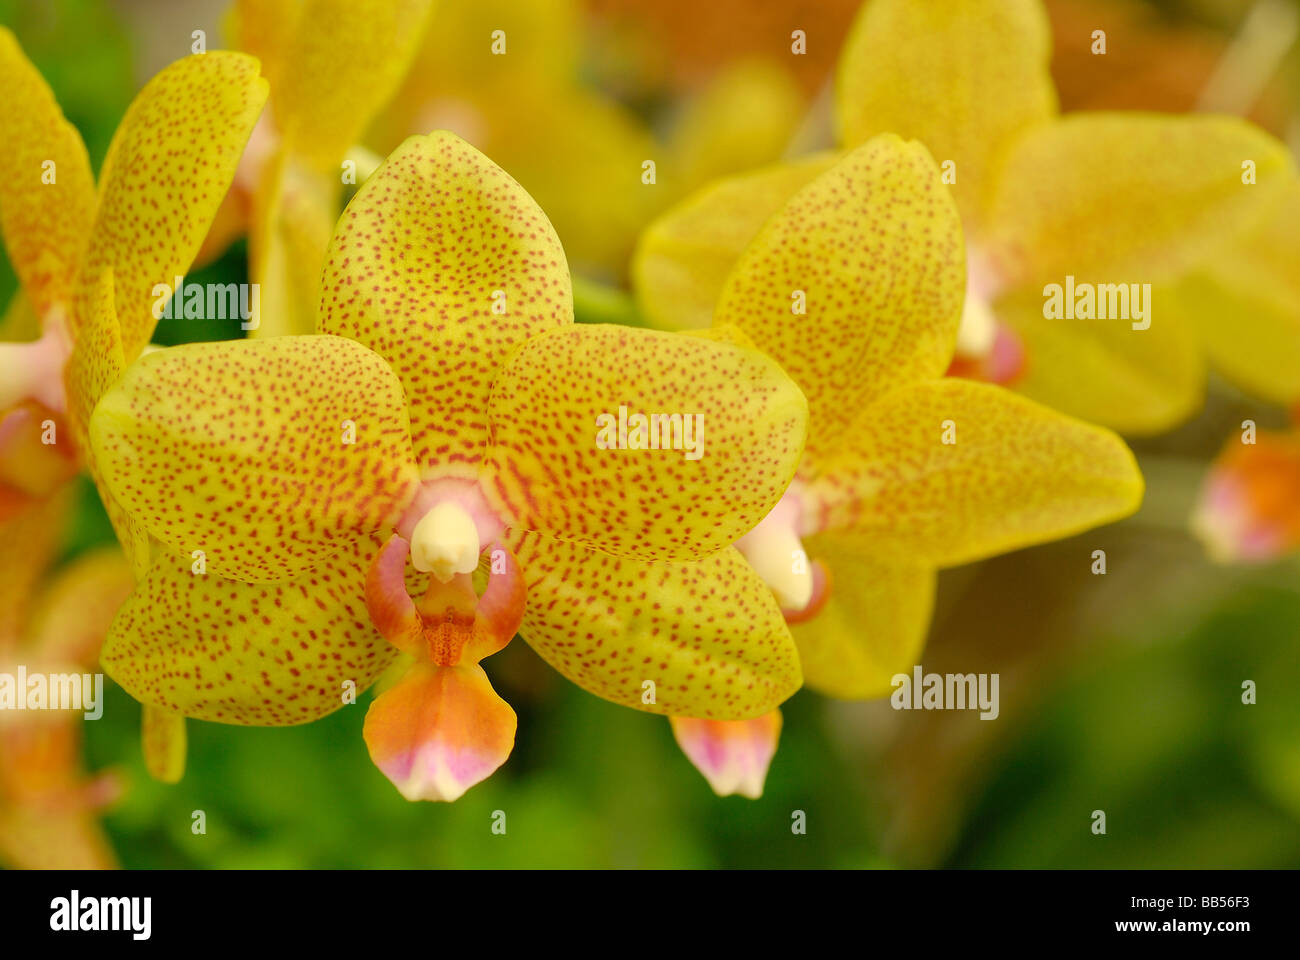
(856, 287)
(1249, 298)
(82, 256)
(445, 417)
(1078, 201)
(506, 76)
(48, 806)
(331, 65)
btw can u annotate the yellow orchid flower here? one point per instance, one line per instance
(506, 76)
(48, 806)
(1087, 201)
(1247, 303)
(331, 65)
(166, 170)
(447, 415)
(856, 286)
(83, 255)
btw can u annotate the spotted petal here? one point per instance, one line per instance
(267, 455)
(168, 168)
(441, 263)
(1013, 474)
(269, 654)
(965, 77)
(47, 192)
(872, 250)
(562, 463)
(702, 639)
(684, 257)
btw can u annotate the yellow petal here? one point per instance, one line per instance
(519, 128)
(47, 192)
(1015, 474)
(733, 755)
(1130, 197)
(1245, 305)
(343, 59)
(28, 540)
(163, 740)
(441, 263)
(965, 77)
(566, 462)
(683, 259)
(439, 731)
(168, 168)
(261, 654)
(267, 455)
(293, 214)
(744, 118)
(872, 250)
(72, 613)
(874, 622)
(95, 365)
(703, 639)
(35, 838)
(1135, 381)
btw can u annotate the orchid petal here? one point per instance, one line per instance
(964, 77)
(1014, 474)
(1245, 305)
(703, 639)
(266, 455)
(1130, 197)
(874, 623)
(168, 168)
(441, 263)
(683, 258)
(872, 250)
(333, 64)
(164, 743)
(45, 221)
(1136, 381)
(261, 654)
(559, 467)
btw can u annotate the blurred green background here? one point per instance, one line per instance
(1120, 692)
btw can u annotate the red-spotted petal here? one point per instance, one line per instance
(441, 263)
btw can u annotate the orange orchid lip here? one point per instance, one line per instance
(450, 624)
